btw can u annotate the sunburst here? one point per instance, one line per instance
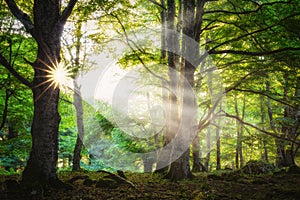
(58, 76)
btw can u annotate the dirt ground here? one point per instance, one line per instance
(218, 186)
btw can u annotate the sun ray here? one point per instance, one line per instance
(57, 76)
(42, 83)
(43, 92)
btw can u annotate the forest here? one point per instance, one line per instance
(150, 99)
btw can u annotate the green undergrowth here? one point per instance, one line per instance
(220, 185)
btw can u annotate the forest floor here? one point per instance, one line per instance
(218, 185)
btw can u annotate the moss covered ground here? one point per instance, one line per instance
(218, 185)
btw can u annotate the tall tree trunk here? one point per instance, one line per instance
(285, 156)
(41, 166)
(292, 114)
(208, 133)
(172, 45)
(169, 42)
(46, 29)
(184, 110)
(162, 164)
(218, 150)
(265, 156)
(196, 155)
(8, 94)
(292, 129)
(241, 131)
(196, 150)
(180, 169)
(218, 143)
(296, 115)
(238, 134)
(278, 142)
(208, 147)
(12, 133)
(239, 145)
(80, 127)
(78, 100)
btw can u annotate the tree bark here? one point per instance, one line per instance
(171, 43)
(241, 131)
(46, 29)
(8, 94)
(237, 135)
(281, 159)
(196, 155)
(239, 145)
(80, 127)
(284, 155)
(265, 156)
(12, 133)
(218, 144)
(278, 142)
(180, 169)
(41, 166)
(78, 100)
(208, 147)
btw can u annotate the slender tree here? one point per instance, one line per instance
(265, 156)
(239, 145)
(218, 145)
(75, 67)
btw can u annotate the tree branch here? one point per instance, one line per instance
(261, 130)
(207, 26)
(21, 16)
(248, 11)
(249, 53)
(135, 48)
(242, 36)
(66, 100)
(158, 4)
(23, 80)
(239, 82)
(264, 94)
(251, 34)
(67, 11)
(198, 19)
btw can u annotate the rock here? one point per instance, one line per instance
(257, 167)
